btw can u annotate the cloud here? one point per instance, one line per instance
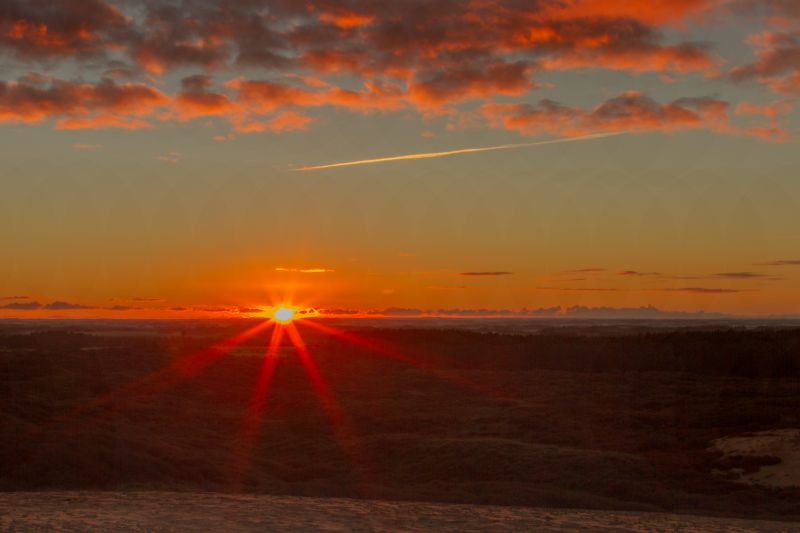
(22, 306)
(124, 308)
(86, 146)
(690, 290)
(777, 63)
(35, 30)
(78, 104)
(635, 273)
(782, 262)
(65, 306)
(578, 289)
(739, 275)
(486, 273)
(170, 157)
(339, 311)
(368, 57)
(285, 121)
(590, 270)
(142, 299)
(630, 111)
(305, 270)
(397, 311)
(446, 53)
(700, 290)
(15, 297)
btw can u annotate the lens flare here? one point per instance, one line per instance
(283, 314)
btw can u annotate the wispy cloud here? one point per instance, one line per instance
(22, 306)
(305, 270)
(578, 289)
(739, 275)
(700, 290)
(430, 155)
(690, 290)
(170, 157)
(782, 262)
(636, 273)
(486, 273)
(65, 306)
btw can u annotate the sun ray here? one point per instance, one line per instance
(391, 352)
(255, 410)
(147, 386)
(340, 422)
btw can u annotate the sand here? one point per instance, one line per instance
(781, 443)
(185, 511)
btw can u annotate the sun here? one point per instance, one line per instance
(283, 314)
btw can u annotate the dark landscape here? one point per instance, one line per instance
(589, 416)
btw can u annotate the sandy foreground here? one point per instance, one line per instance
(783, 444)
(184, 511)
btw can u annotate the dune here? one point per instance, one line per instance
(187, 511)
(777, 450)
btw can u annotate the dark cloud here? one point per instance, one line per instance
(635, 273)
(397, 311)
(22, 306)
(124, 308)
(65, 306)
(783, 262)
(78, 104)
(701, 290)
(339, 311)
(739, 275)
(15, 298)
(141, 299)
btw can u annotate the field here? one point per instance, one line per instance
(590, 418)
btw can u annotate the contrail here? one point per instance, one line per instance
(429, 155)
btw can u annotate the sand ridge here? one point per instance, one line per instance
(66, 511)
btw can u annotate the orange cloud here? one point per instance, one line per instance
(777, 63)
(34, 100)
(39, 30)
(631, 111)
(305, 270)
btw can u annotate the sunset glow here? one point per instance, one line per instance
(463, 159)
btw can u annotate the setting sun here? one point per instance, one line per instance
(283, 314)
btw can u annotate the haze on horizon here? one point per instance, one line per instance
(149, 152)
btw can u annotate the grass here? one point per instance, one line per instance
(603, 421)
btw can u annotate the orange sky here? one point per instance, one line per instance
(458, 155)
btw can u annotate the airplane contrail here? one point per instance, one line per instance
(429, 155)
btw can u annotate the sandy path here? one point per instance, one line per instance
(169, 511)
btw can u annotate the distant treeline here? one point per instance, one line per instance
(730, 352)
(759, 353)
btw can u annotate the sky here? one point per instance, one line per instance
(215, 158)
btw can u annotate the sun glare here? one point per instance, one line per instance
(283, 314)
